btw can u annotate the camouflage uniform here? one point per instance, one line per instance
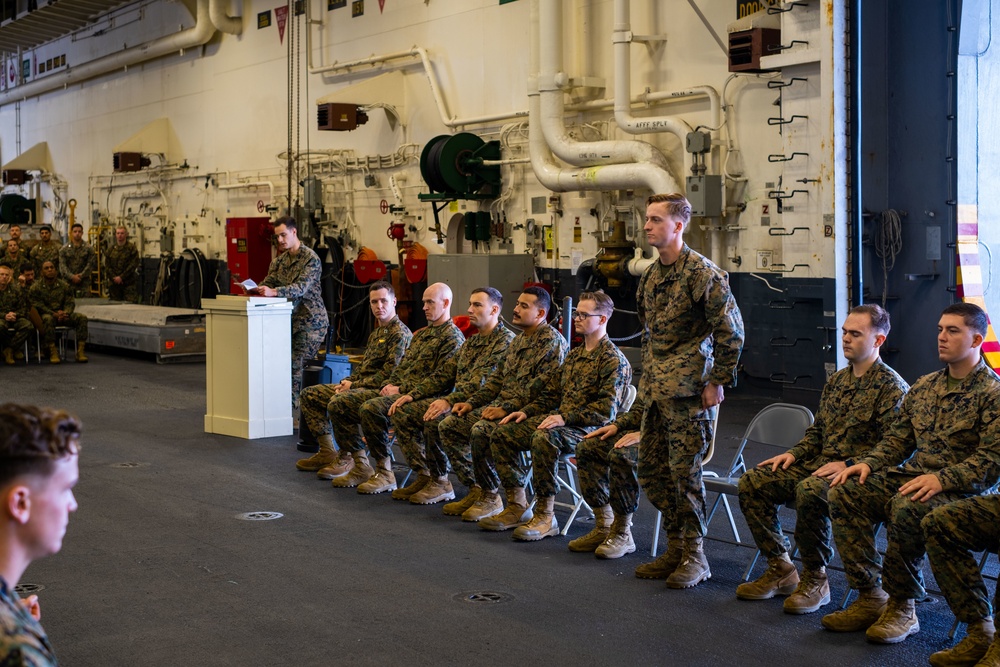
(296, 277)
(15, 261)
(466, 439)
(385, 348)
(953, 532)
(951, 433)
(22, 639)
(587, 392)
(692, 336)
(14, 299)
(122, 260)
(58, 296)
(480, 356)
(423, 373)
(77, 260)
(608, 475)
(45, 252)
(854, 413)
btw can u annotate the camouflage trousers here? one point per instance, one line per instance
(763, 491)
(76, 321)
(857, 508)
(15, 333)
(545, 445)
(305, 345)
(953, 532)
(419, 440)
(484, 467)
(375, 424)
(675, 437)
(608, 475)
(328, 413)
(129, 293)
(456, 442)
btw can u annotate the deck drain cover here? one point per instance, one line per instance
(128, 464)
(259, 516)
(26, 589)
(487, 597)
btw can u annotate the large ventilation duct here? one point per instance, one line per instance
(198, 35)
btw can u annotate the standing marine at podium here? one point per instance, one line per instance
(295, 275)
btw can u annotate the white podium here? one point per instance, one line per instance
(248, 362)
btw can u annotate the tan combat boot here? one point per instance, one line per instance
(780, 577)
(542, 525)
(437, 490)
(897, 622)
(324, 457)
(383, 480)
(404, 493)
(666, 563)
(812, 592)
(80, 356)
(603, 516)
(516, 514)
(458, 507)
(992, 657)
(693, 568)
(860, 614)
(359, 474)
(340, 467)
(619, 541)
(971, 649)
(488, 504)
(54, 354)
(8, 356)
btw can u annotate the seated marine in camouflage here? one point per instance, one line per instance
(416, 421)
(14, 310)
(53, 297)
(858, 406)
(584, 394)
(945, 446)
(608, 468)
(386, 345)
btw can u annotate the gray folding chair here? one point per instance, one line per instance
(779, 425)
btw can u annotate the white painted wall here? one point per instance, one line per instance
(227, 105)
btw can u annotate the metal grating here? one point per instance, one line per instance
(259, 516)
(51, 20)
(483, 597)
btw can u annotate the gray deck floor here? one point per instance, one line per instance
(157, 570)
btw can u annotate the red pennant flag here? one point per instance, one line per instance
(381, 6)
(281, 13)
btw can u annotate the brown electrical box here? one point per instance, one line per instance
(746, 48)
(339, 117)
(15, 177)
(130, 161)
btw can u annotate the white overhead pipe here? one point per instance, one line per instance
(198, 35)
(558, 179)
(546, 22)
(622, 39)
(218, 12)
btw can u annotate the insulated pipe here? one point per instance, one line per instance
(217, 11)
(550, 77)
(198, 35)
(638, 264)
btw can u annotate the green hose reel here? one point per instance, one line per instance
(452, 165)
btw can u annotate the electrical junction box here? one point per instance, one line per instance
(698, 142)
(705, 195)
(15, 177)
(130, 162)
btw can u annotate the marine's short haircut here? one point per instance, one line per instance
(45, 228)
(677, 205)
(542, 297)
(876, 313)
(496, 298)
(32, 440)
(974, 317)
(288, 221)
(382, 284)
(77, 224)
(27, 266)
(605, 304)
